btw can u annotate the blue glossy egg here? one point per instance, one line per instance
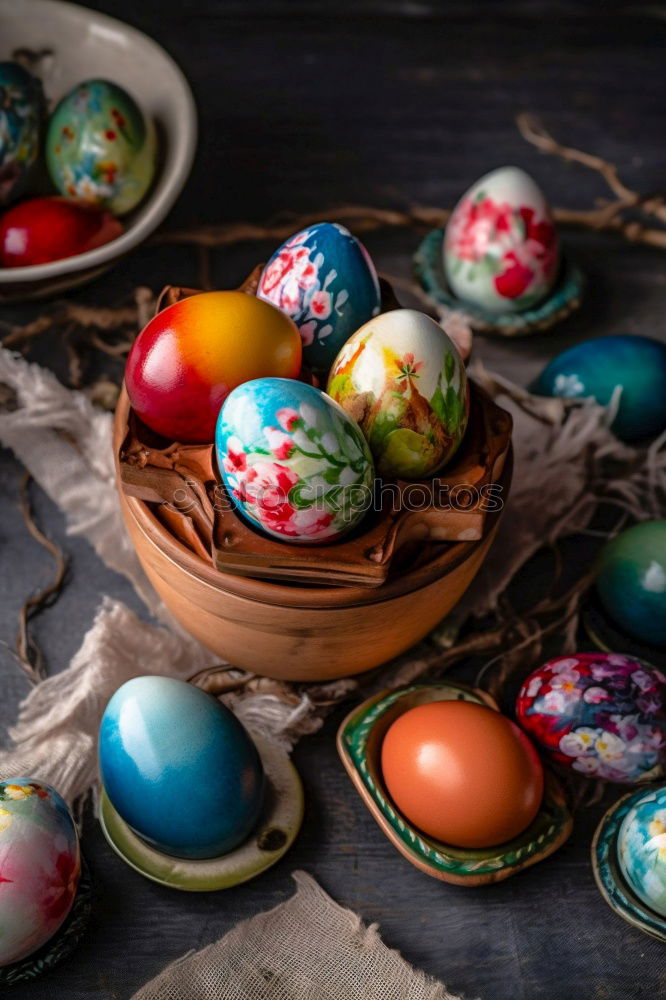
(21, 105)
(180, 768)
(324, 279)
(641, 847)
(596, 367)
(631, 581)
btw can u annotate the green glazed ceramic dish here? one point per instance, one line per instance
(274, 835)
(609, 878)
(563, 300)
(359, 745)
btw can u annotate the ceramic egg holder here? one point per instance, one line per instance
(609, 637)
(359, 743)
(183, 483)
(563, 300)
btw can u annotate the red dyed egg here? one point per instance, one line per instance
(462, 773)
(186, 361)
(46, 229)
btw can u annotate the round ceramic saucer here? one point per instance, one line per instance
(63, 942)
(609, 878)
(563, 300)
(275, 833)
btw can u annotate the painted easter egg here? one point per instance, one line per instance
(602, 714)
(641, 848)
(101, 147)
(403, 381)
(21, 106)
(501, 249)
(325, 280)
(631, 581)
(462, 773)
(40, 866)
(190, 356)
(180, 768)
(46, 229)
(292, 461)
(632, 368)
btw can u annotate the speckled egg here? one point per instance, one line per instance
(501, 249)
(632, 368)
(602, 714)
(403, 380)
(631, 581)
(188, 358)
(641, 848)
(101, 147)
(21, 107)
(292, 461)
(325, 280)
(40, 866)
(179, 768)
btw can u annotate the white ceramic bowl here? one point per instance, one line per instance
(83, 44)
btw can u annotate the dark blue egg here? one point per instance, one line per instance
(179, 768)
(21, 106)
(631, 581)
(596, 367)
(324, 279)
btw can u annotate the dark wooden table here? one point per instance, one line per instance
(306, 104)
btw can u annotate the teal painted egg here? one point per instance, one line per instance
(21, 105)
(294, 464)
(501, 249)
(631, 581)
(641, 847)
(324, 279)
(101, 147)
(180, 768)
(40, 866)
(634, 366)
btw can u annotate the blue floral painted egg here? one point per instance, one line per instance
(40, 866)
(292, 461)
(179, 768)
(21, 105)
(601, 714)
(641, 848)
(631, 581)
(635, 367)
(324, 279)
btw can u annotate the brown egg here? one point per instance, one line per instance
(462, 773)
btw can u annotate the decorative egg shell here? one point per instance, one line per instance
(189, 357)
(404, 382)
(501, 249)
(463, 773)
(293, 462)
(602, 714)
(634, 365)
(641, 848)
(21, 105)
(631, 581)
(180, 768)
(101, 147)
(325, 280)
(40, 866)
(46, 229)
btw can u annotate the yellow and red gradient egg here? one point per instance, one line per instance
(189, 357)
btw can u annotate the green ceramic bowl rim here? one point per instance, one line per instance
(550, 820)
(283, 816)
(608, 874)
(563, 300)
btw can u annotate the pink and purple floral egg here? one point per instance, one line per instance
(40, 866)
(324, 279)
(294, 464)
(601, 714)
(501, 249)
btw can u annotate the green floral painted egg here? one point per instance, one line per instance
(641, 846)
(101, 147)
(403, 381)
(21, 104)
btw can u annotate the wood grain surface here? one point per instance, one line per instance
(307, 104)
